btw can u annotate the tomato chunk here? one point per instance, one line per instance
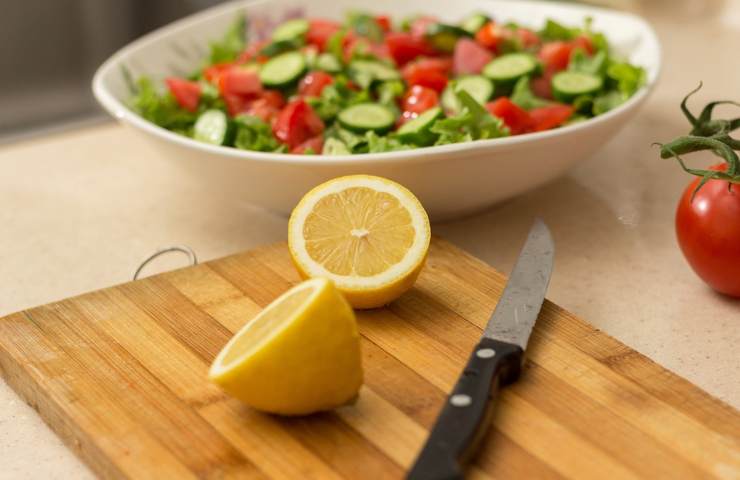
(545, 118)
(313, 83)
(516, 118)
(491, 36)
(320, 30)
(420, 25)
(428, 72)
(419, 99)
(542, 86)
(556, 55)
(239, 81)
(469, 57)
(236, 104)
(273, 98)
(527, 37)
(384, 21)
(404, 47)
(316, 144)
(584, 42)
(186, 93)
(213, 72)
(251, 53)
(296, 123)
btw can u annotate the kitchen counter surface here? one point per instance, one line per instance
(81, 209)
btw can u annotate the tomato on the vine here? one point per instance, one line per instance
(708, 232)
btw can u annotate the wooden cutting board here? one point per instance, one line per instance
(120, 373)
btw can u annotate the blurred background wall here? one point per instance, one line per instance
(49, 51)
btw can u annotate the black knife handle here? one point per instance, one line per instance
(467, 412)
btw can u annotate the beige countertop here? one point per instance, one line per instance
(81, 209)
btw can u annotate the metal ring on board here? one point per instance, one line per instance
(175, 248)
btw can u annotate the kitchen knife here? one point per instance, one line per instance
(495, 361)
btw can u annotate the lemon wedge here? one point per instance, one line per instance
(368, 234)
(300, 355)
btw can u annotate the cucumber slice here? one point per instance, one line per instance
(478, 86)
(374, 69)
(328, 63)
(566, 86)
(443, 37)
(474, 23)
(367, 116)
(417, 130)
(507, 69)
(212, 127)
(283, 70)
(312, 56)
(276, 48)
(290, 30)
(334, 146)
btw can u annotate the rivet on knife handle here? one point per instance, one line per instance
(467, 411)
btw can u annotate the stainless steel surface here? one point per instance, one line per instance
(517, 310)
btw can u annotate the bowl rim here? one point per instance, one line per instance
(122, 112)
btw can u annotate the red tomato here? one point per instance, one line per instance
(265, 107)
(405, 117)
(434, 80)
(708, 231)
(384, 21)
(428, 72)
(316, 144)
(491, 35)
(352, 43)
(313, 83)
(404, 47)
(320, 30)
(556, 55)
(236, 104)
(296, 123)
(252, 52)
(273, 98)
(419, 99)
(528, 37)
(470, 57)
(441, 65)
(239, 81)
(584, 42)
(515, 117)
(262, 108)
(545, 118)
(213, 72)
(419, 26)
(542, 86)
(186, 93)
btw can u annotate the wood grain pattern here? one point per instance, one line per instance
(119, 374)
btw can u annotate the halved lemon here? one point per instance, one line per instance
(368, 234)
(300, 355)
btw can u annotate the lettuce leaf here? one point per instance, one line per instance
(232, 43)
(161, 109)
(473, 123)
(252, 133)
(595, 64)
(628, 78)
(523, 96)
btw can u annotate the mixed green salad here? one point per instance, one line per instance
(368, 85)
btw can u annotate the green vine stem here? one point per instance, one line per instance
(707, 133)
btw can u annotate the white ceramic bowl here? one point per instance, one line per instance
(450, 180)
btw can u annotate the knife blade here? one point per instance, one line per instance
(495, 361)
